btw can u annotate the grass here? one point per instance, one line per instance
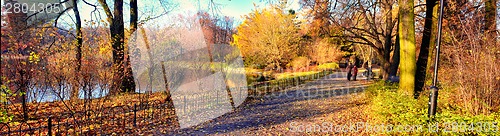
(294, 74)
(386, 106)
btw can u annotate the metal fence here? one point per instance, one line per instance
(90, 122)
(124, 119)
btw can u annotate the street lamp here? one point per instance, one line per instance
(434, 89)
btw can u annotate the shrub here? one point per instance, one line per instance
(325, 50)
(328, 66)
(300, 62)
(471, 63)
(389, 107)
(5, 92)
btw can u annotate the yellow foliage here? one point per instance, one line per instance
(268, 37)
(34, 58)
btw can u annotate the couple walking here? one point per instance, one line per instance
(352, 71)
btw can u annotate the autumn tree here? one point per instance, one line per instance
(121, 81)
(407, 45)
(79, 43)
(321, 45)
(268, 37)
(370, 23)
(319, 11)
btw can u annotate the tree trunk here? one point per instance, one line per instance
(432, 44)
(174, 120)
(395, 58)
(407, 43)
(79, 42)
(117, 38)
(427, 42)
(128, 83)
(386, 66)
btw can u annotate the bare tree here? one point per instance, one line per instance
(363, 23)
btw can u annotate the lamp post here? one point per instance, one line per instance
(434, 89)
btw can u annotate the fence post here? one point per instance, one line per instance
(280, 83)
(294, 79)
(135, 115)
(186, 103)
(254, 90)
(239, 89)
(49, 126)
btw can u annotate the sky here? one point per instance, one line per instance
(232, 8)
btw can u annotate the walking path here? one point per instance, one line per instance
(290, 111)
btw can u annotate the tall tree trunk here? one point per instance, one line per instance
(134, 16)
(432, 44)
(128, 83)
(407, 43)
(117, 38)
(79, 42)
(174, 120)
(427, 41)
(389, 25)
(395, 58)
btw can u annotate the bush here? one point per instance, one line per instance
(5, 92)
(325, 50)
(389, 107)
(300, 62)
(470, 63)
(328, 66)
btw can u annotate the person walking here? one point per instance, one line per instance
(354, 72)
(349, 74)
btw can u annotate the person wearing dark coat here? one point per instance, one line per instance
(349, 74)
(354, 72)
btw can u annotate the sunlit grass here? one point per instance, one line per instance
(295, 74)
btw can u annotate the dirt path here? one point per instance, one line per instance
(316, 103)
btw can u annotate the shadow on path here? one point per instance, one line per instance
(279, 107)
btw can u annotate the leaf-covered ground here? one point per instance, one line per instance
(318, 107)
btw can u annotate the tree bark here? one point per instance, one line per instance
(389, 25)
(432, 45)
(407, 43)
(385, 66)
(128, 83)
(427, 42)
(79, 43)
(117, 38)
(395, 58)
(174, 120)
